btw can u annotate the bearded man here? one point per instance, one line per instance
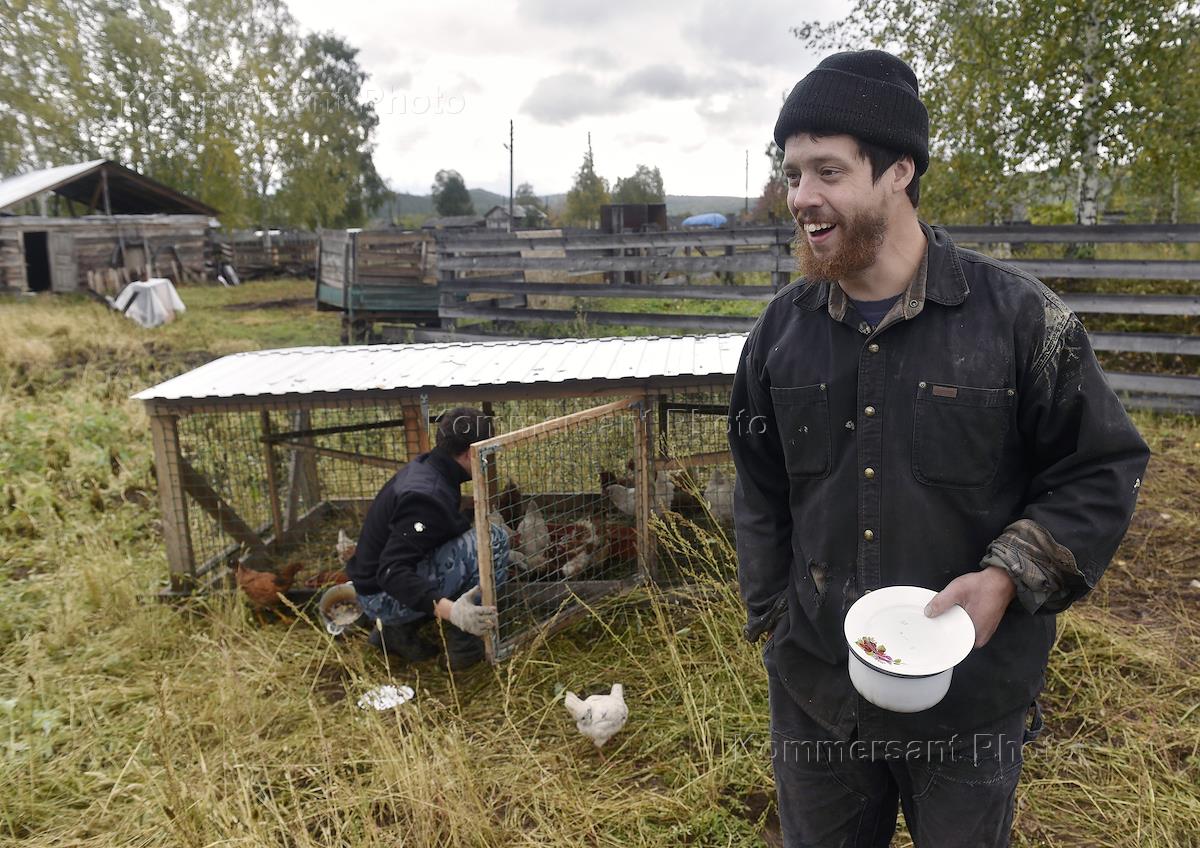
(926, 416)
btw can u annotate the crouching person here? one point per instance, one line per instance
(417, 557)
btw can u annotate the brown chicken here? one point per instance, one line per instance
(264, 587)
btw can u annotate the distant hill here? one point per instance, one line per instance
(683, 204)
(422, 204)
(677, 204)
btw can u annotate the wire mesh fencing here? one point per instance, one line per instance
(572, 496)
(255, 484)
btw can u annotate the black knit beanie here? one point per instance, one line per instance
(869, 94)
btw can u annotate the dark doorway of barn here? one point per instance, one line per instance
(37, 262)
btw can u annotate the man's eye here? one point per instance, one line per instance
(828, 172)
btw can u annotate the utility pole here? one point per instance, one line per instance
(510, 174)
(746, 209)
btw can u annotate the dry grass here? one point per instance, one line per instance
(126, 722)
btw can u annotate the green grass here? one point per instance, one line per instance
(127, 722)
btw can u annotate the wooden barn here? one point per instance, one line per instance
(110, 225)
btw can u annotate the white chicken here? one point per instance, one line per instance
(584, 545)
(345, 547)
(599, 717)
(622, 497)
(533, 537)
(664, 492)
(719, 494)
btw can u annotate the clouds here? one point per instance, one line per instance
(564, 97)
(687, 85)
(561, 98)
(752, 32)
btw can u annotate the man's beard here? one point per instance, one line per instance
(861, 238)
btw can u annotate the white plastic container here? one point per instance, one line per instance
(899, 659)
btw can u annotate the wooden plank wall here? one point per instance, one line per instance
(170, 246)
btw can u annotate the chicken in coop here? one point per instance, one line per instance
(599, 717)
(508, 503)
(532, 540)
(579, 545)
(719, 494)
(346, 546)
(664, 492)
(607, 478)
(618, 548)
(622, 497)
(263, 588)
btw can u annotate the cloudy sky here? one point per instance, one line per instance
(685, 86)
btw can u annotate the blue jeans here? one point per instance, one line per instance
(451, 568)
(848, 793)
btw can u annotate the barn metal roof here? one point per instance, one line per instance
(129, 192)
(422, 367)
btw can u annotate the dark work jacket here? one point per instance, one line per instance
(415, 512)
(981, 405)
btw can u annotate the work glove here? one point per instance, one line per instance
(467, 615)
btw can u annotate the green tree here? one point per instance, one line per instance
(1021, 85)
(645, 186)
(525, 196)
(450, 195)
(588, 193)
(772, 205)
(221, 99)
(330, 180)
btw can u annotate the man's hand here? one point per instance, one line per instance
(984, 595)
(466, 614)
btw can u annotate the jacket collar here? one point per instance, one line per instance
(446, 466)
(945, 283)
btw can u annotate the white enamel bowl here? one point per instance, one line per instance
(335, 608)
(906, 660)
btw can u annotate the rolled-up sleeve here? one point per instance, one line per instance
(761, 508)
(1087, 458)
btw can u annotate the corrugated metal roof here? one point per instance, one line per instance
(129, 192)
(416, 367)
(24, 186)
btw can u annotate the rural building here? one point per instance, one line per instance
(454, 222)
(112, 225)
(524, 217)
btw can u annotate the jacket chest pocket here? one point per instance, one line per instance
(958, 434)
(802, 416)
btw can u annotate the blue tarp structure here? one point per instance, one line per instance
(708, 219)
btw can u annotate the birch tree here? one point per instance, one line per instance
(1050, 86)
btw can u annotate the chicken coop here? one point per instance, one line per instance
(262, 457)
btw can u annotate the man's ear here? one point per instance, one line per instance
(903, 173)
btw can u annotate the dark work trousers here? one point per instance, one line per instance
(846, 794)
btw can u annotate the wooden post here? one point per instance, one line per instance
(180, 558)
(303, 482)
(483, 539)
(781, 249)
(416, 437)
(493, 470)
(644, 486)
(272, 477)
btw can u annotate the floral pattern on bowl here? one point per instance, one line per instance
(876, 651)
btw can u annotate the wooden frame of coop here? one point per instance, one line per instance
(255, 452)
(563, 593)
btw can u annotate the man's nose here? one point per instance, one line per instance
(803, 195)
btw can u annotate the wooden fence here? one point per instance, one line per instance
(293, 253)
(703, 265)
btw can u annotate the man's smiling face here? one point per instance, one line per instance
(840, 214)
